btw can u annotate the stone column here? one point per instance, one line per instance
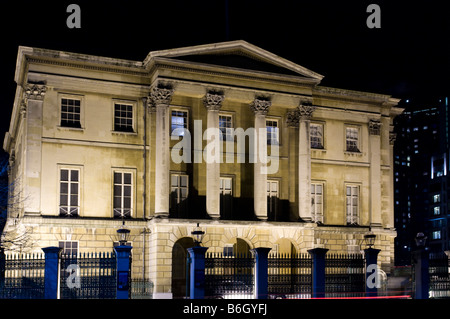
(32, 109)
(213, 103)
(161, 98)
(375, 173)
(305, 110)
(260, 107)
(392, 137)
(292, 120)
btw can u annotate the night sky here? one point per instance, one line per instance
(407, 57)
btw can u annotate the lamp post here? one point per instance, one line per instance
(421, 263)
(371, 255)
(197, 271)
(123, 264)
(123, 234)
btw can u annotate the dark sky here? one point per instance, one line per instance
(407, 57)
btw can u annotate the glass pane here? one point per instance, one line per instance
(117, 178)
(74, 188)
(184, 192)
(73, 200)
(319, 189)
(117, 202)
(117, 190)
(174, 180)
(274, 187)
(349, 190)
(127, 202)
(127, 190)
(64, 175)
(63, 200)
(227, 183)
(63, 188)
(184, 181)
(74, 175)
(127, 178)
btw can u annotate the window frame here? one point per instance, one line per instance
(314, 197)
(123, 171)
(133, 105)
(227, 137)
(351, 219)
(358, 139)
(64, 248)
(278, 129)
(322, 138)
(179, 187)
(60, 111)
(186, 124)
(69, 194)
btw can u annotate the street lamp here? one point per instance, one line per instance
(123, 234)
(198, 234)
(369, 239)
(420, 240)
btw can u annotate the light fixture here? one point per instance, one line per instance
(420, 239)
(123, 234)
(198, 234)
(369, 239)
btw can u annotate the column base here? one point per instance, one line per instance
(162, 215)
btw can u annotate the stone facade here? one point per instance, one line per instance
(92, 142)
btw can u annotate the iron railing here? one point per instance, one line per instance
(229, 277)
(96, 274)
(289, 276)
(439, 272)
(344, 275)
(22, 276)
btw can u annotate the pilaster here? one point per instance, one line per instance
(375, 172)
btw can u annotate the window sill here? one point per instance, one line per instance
(124, 133)
(353, 153)
(68, 128)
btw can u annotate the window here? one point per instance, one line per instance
(179, 121)
(226, 127)
(317, 202)
(436, 198)
(352, 202)
(436, 210)
(123, 194)
(352, 139)
(69, 247)
(272, 132)
(179, 188)
(69, 192)
(71, 112)
(272, 197)
(436, 234)
(123, 117)
(226, 197)
(316, 134)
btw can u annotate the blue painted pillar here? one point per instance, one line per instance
(197, 272)
(318, 271)
(372, 277)
(261, 272)
(51, 272)
(421, 274)
(123, 271)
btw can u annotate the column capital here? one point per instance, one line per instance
(213, 101)
(260, 105)
(35, 91)
(374, 127)
(392, 138)
(160, 95)
(292, 118)
(305, 110)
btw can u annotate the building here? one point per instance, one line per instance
(96, 142)
(420, 166)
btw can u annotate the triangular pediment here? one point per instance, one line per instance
(238, 55)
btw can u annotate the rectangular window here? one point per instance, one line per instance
(317, 202)
(316, 134)
(123, 194)
(226, 197)
(179, 121)
(123, 117)
(69, 247)
(179, 188)
(352, 139)
(437, 198)
(436, 210)
(226, 127)
(272, 132)
(352, 198)
(71, 112)
(436, 234)
(69, 192)
(272, 198)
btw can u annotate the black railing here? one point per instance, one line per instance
(22, 276)
(344, 275)
(229, 276)
(96, 274)
(439, 267)
(289, 276)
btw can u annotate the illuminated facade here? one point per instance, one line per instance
(95, 141)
